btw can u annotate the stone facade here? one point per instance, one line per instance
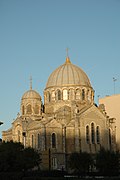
(112, 106)
(67, 122)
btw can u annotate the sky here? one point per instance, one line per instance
(34, 35)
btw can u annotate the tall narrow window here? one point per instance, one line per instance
(32, 141)
(92, 133)
(23, 110)
(83, 94)
(87, 135)
(36, 109)
(98, 134)
(53, 140)
(29, 109)
(54, 163)
(58, 95)
(71, 94)
(38, 140)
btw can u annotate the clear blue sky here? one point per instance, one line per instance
(34, 35)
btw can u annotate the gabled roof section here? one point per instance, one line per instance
(53, 123)
(88, 111)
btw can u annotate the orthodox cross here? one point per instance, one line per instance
(67, 49)
(30, 82)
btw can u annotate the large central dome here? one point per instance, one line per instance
(68, 74)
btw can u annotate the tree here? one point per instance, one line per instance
(30, 158)
(107, 162)
(80, 162)
(14, 157)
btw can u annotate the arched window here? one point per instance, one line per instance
(71, 94)
(87, 134)
(38, 139)
(98, 134)
(29, 109)
(53, 140)
(83, 94)
(32, 141)
(36, 109)
(65, 94)
(58, 95)
(92, 133)
(78, 94)
(23, 110)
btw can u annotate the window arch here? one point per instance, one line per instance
(92, 133)
(98, 134)
(83, 94)
(71, 94)
(53, 140)
(29, 109)
(58, 95)
(87, 134)
(23, 110)
(36, 109)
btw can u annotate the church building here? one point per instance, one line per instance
(68, 121)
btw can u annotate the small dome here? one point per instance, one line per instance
(68, 74)
(31, 94)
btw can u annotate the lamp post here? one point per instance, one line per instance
(114, 79)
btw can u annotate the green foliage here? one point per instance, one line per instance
(31, 158)
(14, 157)
(107, 162)
(80, 162)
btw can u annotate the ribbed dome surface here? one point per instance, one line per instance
(68, 74)
(31, 94)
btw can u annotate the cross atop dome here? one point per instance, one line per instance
(67, 58)
(30, 82)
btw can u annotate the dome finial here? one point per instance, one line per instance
(67, 58)
(30, 82)
(67, 49)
